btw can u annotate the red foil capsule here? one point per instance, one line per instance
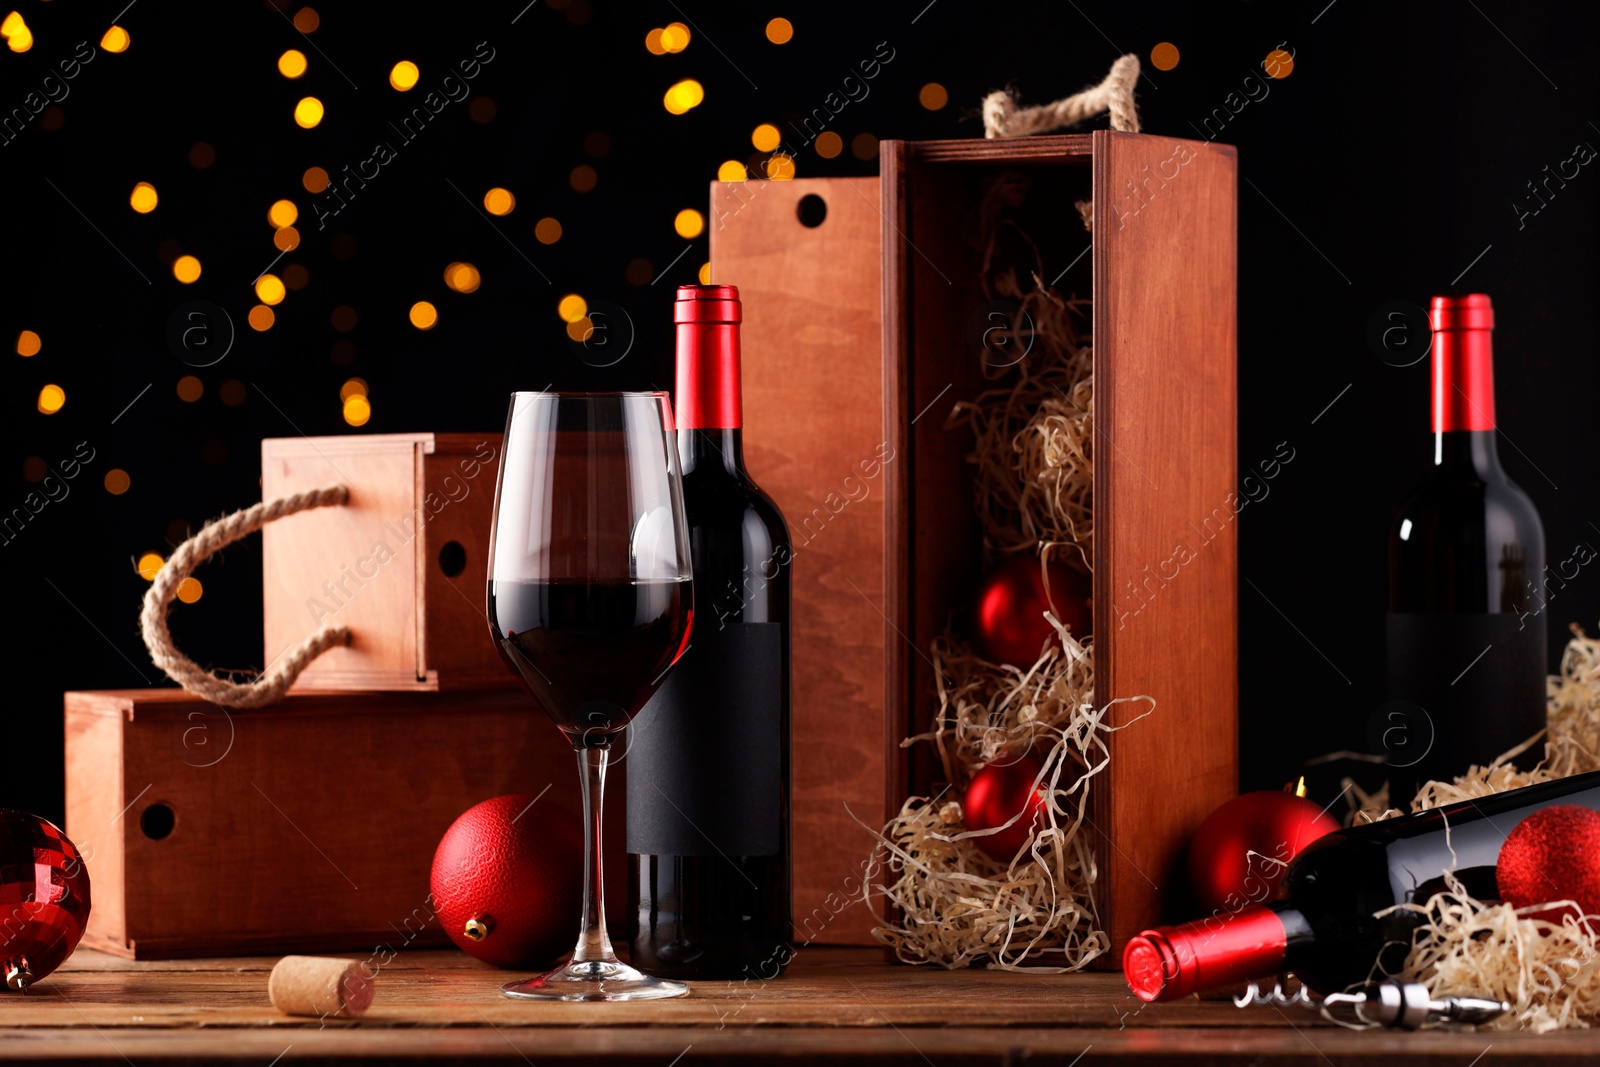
(1173, 961)
(1463, 362)
(707, 393)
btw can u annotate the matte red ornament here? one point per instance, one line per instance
(995, 794)
(508, 880)
(1553, 854)
(44, 897)
(1239, 854)
(1011, 627)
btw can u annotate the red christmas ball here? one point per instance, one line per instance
(1011, 626)
(44, 891)
(1553, 854)
(998, 792)
(1239, 854)
(508, 881)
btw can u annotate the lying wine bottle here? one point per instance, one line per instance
(708, 759)
(1326, 928)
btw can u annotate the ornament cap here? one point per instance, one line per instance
(18, 976)
(478, 927)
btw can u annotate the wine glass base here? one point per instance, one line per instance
(594, 980)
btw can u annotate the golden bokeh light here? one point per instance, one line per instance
(286, 239)
(705, 273)
(674, 37)
(732, 171)
(547, 231)
(150, 565)
(306, 20)
(498, 201)
(261, 318)
(353, 387)
(186, 269)
(116, 39)
(357, 409)
(689, 223)
(28, 343)
(270, 289)
(765, 137)
(829, 144)
(933, 96)
(15, 30)
(315, 179)
(143, 199)
(424, 315)
(404, 75)
(462, 277)
(580, 330)
(780, 31)
(1164, 56)
(780, 168)
(308, 112)
(117, 481)
(292, 63)
(572, 308)
(282, 213)
(1278, 64)
(190, 590)
(683, 96)
(190, 388)
(652, 43)
(51, 398)
(583, 178)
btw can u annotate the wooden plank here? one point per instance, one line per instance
(813, 410)
(1166, 604)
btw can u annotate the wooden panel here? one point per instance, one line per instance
(1166, 594)
(459, 472)
(306, 826)
(813, 409)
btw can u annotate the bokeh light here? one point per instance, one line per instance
(306, 20)
(270, 289)
(202, 155)
(683, 96)
(308, 112)
(462, 277)
(780, 31)
(15, 30)
(780, 168)
(353, 387)
(186, 269)
(190, 590)
(933, 96)
(51, 398)
(143, 199)
(652, 42)
(292, 63)
(828, 144)
(689, 223)
(343, 318)
(639, 271)
(190, 388)
(404, 75)
(583, 178)
(705, 274)
(547, 231)
(28, 343)
(482, 110)
(357, 409)
(286, 239)
(765, 137)
(282, 213)
(424, 315)
(150, 565)
(572, 308)
(498, 201)
(232, 392)
(295, 276)
(315, 179)
(1278, 64)
(1164, 56)
(116, 39)
(732, 171)
(261, 318)
(117, 481)
(674, 37)
(580, 330)
(864, 146)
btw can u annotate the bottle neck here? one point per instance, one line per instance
(708, 376)
(703, 450)
(1169, 962)
(1463, 398)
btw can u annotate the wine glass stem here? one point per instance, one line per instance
(593, 943)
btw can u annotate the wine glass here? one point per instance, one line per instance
(590, 602)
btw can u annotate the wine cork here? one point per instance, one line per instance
(316, 985)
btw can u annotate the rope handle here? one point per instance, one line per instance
(212, 538)
(1002, 117)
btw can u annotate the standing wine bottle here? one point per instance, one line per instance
(1465, 644)
(1326, 928)
(708, 760)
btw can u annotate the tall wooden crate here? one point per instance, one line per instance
(825, 388)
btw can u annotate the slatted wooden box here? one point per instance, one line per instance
(857, 343)
(307, 826)
(403, 563)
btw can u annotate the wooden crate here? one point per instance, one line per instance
(307, 826)
(403, 563)
(823, 390)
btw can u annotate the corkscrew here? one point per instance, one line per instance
(1391, 1003)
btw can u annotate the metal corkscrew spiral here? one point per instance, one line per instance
(1393, 1004)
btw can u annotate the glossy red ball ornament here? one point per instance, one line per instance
(1553, 854)
(1239, 854)
(995, 794)
(508, 881)
(44, 897)
(1011, 627)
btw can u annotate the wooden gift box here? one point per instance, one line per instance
(892, 550)
(403, 563)
(306, 826)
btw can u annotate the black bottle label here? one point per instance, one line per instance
(1463, 689)
(704, 759)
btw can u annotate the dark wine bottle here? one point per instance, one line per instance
(1326, 928)
(1466, 628)
(708, 758)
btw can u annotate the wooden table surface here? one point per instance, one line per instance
(833, 1006)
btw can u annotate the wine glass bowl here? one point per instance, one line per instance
(590, 602)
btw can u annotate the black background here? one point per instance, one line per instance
(1384, 165)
